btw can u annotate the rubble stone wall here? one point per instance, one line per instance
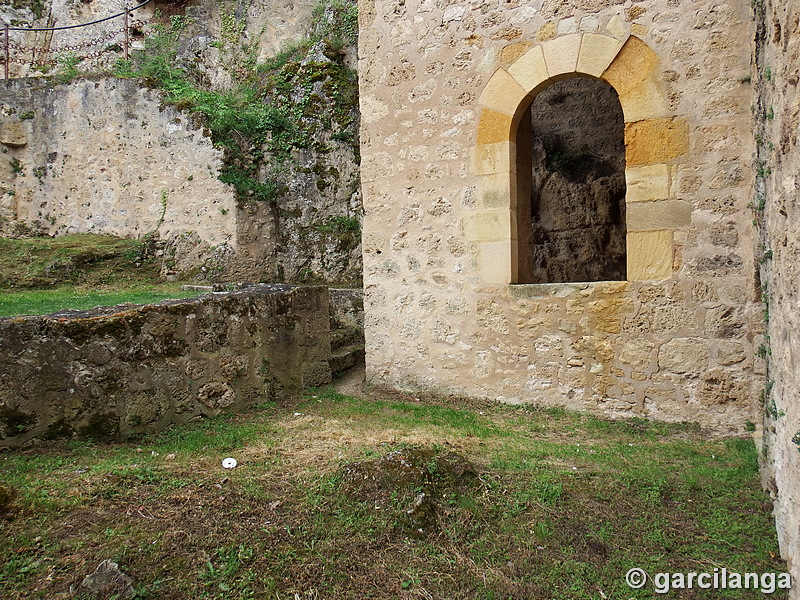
(116, 372)
(107, 157)
(444, 89)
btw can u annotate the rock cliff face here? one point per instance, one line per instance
(777, 214)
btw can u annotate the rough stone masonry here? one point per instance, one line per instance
(120, 371)
(448, 170)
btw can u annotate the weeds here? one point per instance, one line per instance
(275, 109)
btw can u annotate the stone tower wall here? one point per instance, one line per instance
(777, 212)
(444, 87)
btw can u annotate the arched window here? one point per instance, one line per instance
(526, 233)
(571, 184)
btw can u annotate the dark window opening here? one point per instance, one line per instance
(571, 185)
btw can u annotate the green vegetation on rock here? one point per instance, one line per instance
(274, 108)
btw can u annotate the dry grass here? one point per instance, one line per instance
(565, 506)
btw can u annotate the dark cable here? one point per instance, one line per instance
(80, 24)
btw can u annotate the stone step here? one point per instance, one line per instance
(346, 336)
(346, 358)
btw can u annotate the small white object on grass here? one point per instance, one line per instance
(229, 463)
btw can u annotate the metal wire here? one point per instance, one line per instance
(72, 48)
(80, 24)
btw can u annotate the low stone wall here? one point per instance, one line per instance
(116, 372)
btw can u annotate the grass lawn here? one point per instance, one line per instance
(564, 506)
(42, 302)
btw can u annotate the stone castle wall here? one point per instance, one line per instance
(444, 89)
(107, 157)
(126, 370)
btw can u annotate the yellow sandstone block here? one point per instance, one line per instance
(512, 52)
(597, 52)
(656, 140)
(649, 255)
(634, 63)
(493, 127)
(502, 93)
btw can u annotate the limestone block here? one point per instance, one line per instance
(589, 24)
(13, 133)
(377, 166)
(372, 109)
(684, 355)
(637, 353)
(601, 288)
(530, 70)
(492, 158)
(502, 94)
(597, 52)
(497, 191)
(660, 214)
(632, 66)
(492, 316)
(726, 322)
(493, 127)
(496, 264)
(568, 25)
(598, 348)
(561, 54)
(650, 182)
(656, 140)
(645, 101)
(6, 171)
(649, 255)
(720, 386)
(617, 28)
(730, 353)
(490, 226)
